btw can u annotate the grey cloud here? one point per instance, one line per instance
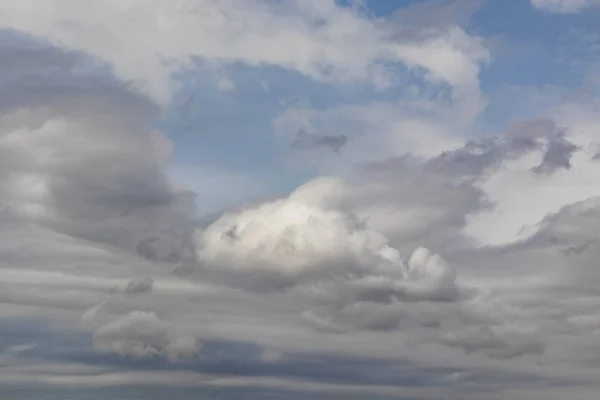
(172, 246)
(84, 192)
(144, 335)
(137, 286)
(304, 140)
(557, 293)
(494, 342)
(347, 275)
(87, 203)
(572, 232)
(446, 190)
(415, 206)
(69, 358)
(241, 362)
(558, 155)
(85, 160)
(481, 156)
(35, 73)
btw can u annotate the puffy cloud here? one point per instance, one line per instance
(142, 334)
(307, 237)
(310, 245)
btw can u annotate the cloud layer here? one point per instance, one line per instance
(425, 253)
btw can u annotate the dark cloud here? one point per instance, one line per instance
(305, 140)
(35, 73)
(137, 286)
(479, 157)
(557, 156)
(239, 360)
(86, 150)
(142, 334)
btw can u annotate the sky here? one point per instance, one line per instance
(300, 199)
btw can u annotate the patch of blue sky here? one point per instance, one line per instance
(530, 43)
(232, 130)
(530, 48)
(534, 53)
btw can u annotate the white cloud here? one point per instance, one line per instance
(307, 236)
(520, 196)
(564, 6)
(146, 42)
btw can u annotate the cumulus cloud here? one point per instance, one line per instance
(307, 236)
(310, 245)
(143, 335)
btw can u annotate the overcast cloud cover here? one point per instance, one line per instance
(300, 199)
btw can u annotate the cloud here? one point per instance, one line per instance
(533, 170)
(307, 236)
(422, 127)
(438, 261)
(139, 286)
(497, 343)
(311, 246)
(338, 44)
(481, 157)
(86, 160)
(305, 141)
(564, 6)
(143, 334)
(557, 155)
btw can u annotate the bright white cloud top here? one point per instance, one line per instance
(299, 199)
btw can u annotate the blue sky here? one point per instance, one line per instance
(233, 129)
(299, 199)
